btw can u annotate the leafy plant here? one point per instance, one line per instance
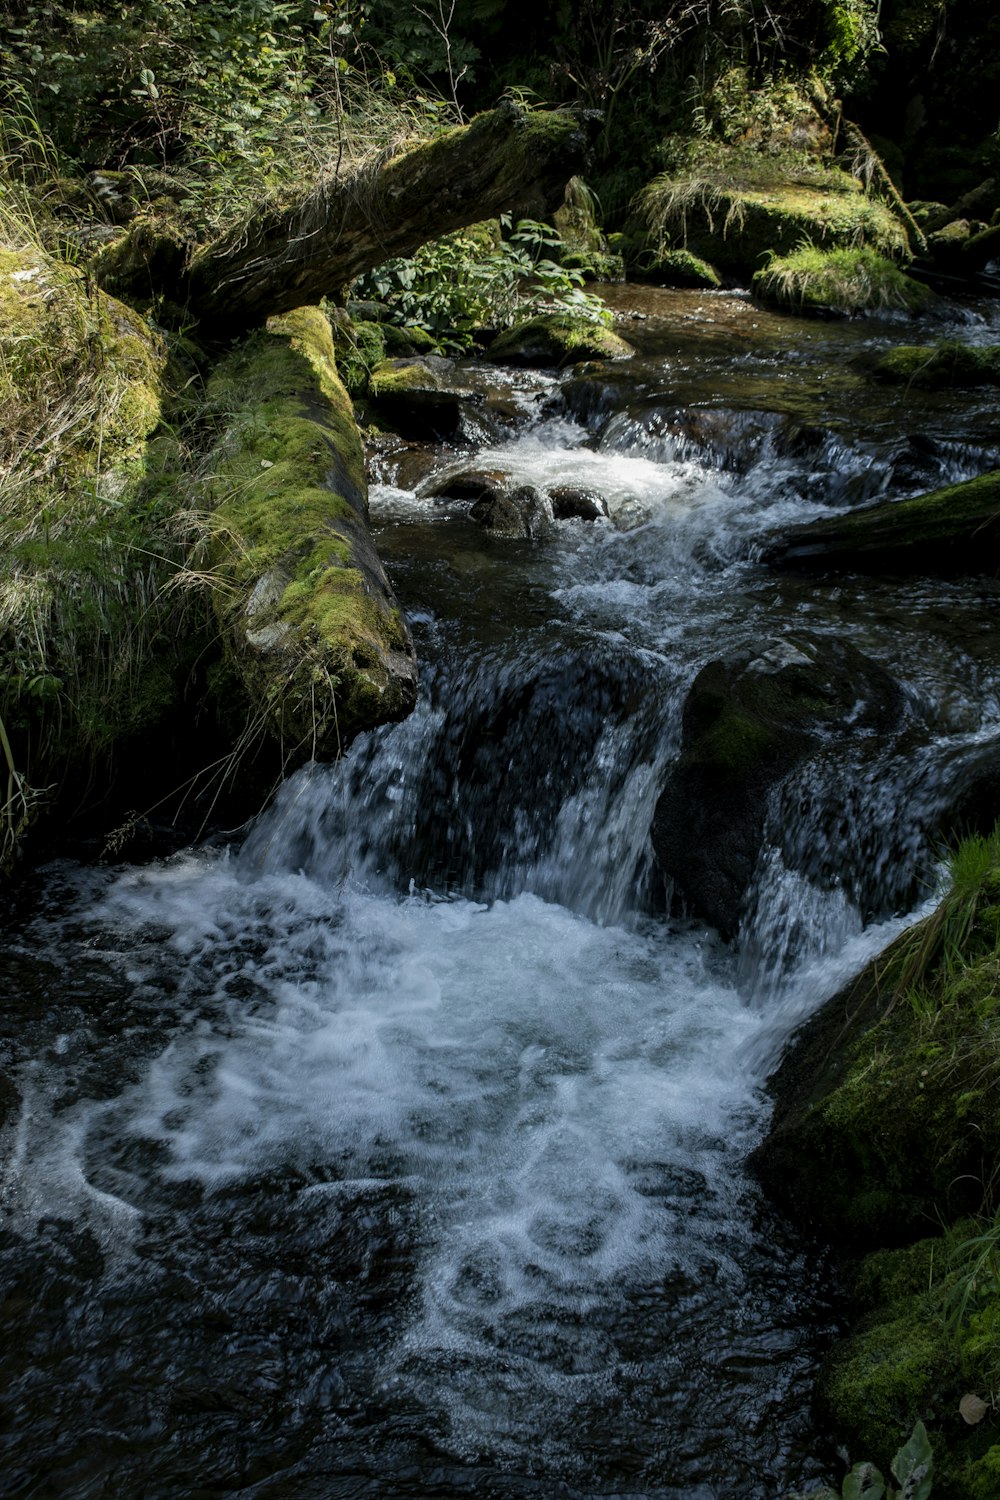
(912, 1469)
(467, 282)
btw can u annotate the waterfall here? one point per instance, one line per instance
(396, 1148)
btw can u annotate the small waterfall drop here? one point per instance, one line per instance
(398, 1149)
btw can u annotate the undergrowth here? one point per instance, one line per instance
(462, 284)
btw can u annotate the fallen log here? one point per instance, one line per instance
(510, 160)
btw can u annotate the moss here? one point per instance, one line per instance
(981, 1478)
(360, 348)
(940, 366)
(557, 339)
(885, 1378)
(681, 268)
(93, 649)
(311, 622)
(903, 1138)
(408, 339)
(732, 205)
(819, 282)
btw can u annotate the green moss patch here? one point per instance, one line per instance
(817, 282)
(899, 1146)
(940, 366)
(315, 633)
(92, 648)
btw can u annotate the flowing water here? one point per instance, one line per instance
(397, 1150)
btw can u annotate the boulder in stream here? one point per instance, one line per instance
(952, 530)
(423, 399)
(749, 719)
(576, 503)
(523, 512)
(557, 339)
(940, 366)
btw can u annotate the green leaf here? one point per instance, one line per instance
(864, 1482)
(913, 1466)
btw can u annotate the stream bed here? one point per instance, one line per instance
(394, 1148)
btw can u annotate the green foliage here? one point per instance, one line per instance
(462, 284)
(912, 1468)
(851, 35)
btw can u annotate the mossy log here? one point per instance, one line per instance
(953, 530)
(509, 160)
(313, 632)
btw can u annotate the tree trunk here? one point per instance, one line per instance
(509, 160)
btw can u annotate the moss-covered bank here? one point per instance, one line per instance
(312, 627)
(94, 647)
(887, 1141)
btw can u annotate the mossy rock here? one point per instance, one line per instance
(407, 339)
(557, 339)
(584, 246)
(315, 632)
(836, 283)
(423, 399)
(681, 268)
(886, 1140)
(912, 1357)
(949, 531)
(890, 1085)
(736, 207)
(941, 366)
(749, 719)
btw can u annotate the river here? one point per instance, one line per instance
(394, 1148)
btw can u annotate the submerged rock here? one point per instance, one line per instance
(951, 530)
(940, 366)
(749, 720)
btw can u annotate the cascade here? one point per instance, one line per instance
(396, 1148)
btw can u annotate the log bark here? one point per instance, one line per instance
(508, 160)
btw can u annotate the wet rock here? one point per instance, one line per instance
(10, 1100)
(469, 484)
(524, 512)
(749, 720)
(572, 503)
(392, 460)
(950, 531)
(592, 395)
(424, 400)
